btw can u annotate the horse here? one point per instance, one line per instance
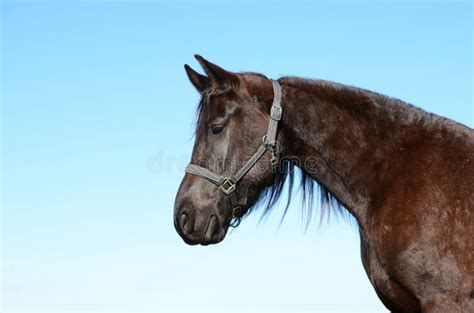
(405, 175)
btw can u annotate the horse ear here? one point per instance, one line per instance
(218, 74)
(199, 81)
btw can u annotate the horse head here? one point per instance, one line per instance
(234, 154)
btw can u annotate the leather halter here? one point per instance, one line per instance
(228, 184)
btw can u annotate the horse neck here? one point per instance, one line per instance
(343, 137)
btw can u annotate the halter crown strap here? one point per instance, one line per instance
(228, 184)
(275, 115)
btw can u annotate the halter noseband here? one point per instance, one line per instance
(228, 184)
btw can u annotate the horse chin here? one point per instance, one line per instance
(212, 241)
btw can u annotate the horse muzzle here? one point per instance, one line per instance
(195, 229)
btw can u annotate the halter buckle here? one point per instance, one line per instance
(227, 186)
(276, 112)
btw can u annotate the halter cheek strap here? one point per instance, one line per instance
(228, 184)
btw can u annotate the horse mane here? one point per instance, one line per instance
(289, 170)
(290, 173)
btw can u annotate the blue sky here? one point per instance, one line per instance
(97, 128)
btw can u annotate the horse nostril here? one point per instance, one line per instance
(211, 228)
(184, 223)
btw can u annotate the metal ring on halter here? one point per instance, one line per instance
(236, 211)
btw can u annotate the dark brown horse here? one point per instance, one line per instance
(407, 176)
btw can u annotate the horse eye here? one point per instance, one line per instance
(217, 129)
